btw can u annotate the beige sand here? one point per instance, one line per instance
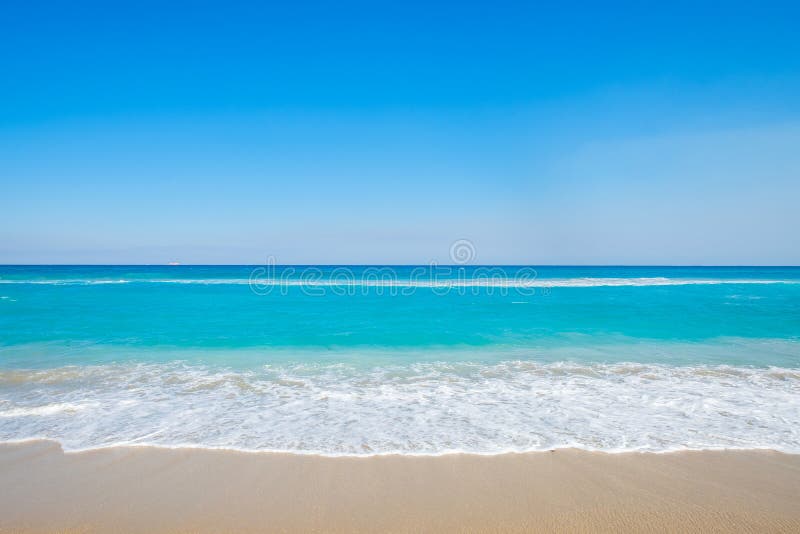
(162, 490)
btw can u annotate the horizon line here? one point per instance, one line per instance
(687, 265)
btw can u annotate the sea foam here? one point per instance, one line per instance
(418, 409)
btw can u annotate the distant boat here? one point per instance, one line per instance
(173, 263)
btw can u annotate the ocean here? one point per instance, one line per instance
(419, 360)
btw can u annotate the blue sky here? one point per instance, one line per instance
(381, 132)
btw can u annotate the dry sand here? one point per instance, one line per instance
(162, 490)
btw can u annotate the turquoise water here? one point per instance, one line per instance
(413, 360)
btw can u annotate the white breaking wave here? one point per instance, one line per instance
(433, 283)
(67, 282)
(47, 409)
(423, 408)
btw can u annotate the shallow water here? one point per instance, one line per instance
(429, 360)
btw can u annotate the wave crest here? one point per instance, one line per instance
(498, 282)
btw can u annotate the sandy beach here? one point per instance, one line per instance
(138, 489)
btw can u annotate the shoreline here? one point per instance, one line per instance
(157, 489)
(398, 454)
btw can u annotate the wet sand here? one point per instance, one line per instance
(143, 489)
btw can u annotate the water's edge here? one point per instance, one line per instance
(231, 450)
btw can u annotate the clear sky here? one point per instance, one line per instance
(380, 132)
